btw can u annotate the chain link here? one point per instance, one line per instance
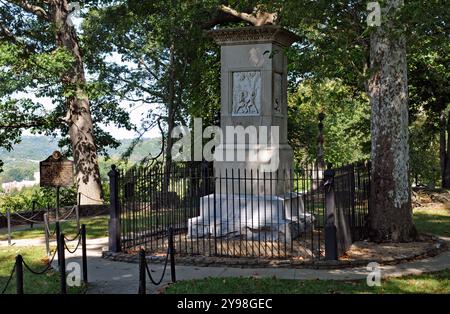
(163, 273)
(76, 248)
(47, 268)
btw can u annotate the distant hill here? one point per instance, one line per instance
(22, 161)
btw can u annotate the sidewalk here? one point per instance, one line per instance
(107, 276)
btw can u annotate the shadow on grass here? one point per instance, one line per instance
(436, 221)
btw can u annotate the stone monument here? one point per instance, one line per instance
(253, 195)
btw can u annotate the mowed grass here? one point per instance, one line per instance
(427, 283)
(96, 227)
(48, 283)
(435, 220)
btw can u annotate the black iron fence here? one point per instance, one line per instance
(233, 212)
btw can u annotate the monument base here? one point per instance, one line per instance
(254, 217)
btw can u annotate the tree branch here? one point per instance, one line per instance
(257, 17)
(21, 125)
(31, 8)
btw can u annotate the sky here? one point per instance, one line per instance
(137, 112)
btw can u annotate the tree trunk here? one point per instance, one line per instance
(390, 215)
(78, 117)
(442, 145)
(445, 154)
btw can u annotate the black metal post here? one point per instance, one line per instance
(19, 274)
(84, 255)
(142, 285)
(57, 234)
(172, 256)
(331, 249)
(57, 204)
(114, 220)
(62, 264)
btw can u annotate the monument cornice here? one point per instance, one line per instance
(254, 34)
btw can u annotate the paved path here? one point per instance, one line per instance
(118, 277)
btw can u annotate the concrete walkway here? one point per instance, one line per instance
(118, 277)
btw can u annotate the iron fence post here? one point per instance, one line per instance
(142, 284)
(114, 220)
(19, 274)
(172, 256)
(62, 264)
(331, 250)
(84, 255)
(57, 234)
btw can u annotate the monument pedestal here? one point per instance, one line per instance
(256, 217)
(253, 196)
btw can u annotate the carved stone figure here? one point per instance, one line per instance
(246, 93)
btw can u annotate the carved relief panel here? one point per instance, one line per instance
(246, 93)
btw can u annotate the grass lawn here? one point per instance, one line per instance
(96, 227)
(427, 283)
(434, 220)
(35, 257)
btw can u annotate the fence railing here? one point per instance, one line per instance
(60, 250)
(232, 212)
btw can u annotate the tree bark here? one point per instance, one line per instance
(390, 215)
(78, 117)
(445, 154)
(442, 145)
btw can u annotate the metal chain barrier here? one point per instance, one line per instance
(74, 238)
(144, 269)
(70, 213)
(76, 248)
(60, 249)
(50, 233)
(88, 197)
(47, 268)
(29, 219)
(156, 283)
(9, 279)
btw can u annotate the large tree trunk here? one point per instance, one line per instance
(390, 216)
(442, 144)
(78, 116)
(445, 151)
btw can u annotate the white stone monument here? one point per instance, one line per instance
(253, 199)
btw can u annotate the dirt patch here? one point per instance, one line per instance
(360, 254)
(436, 198)
(364, 250)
